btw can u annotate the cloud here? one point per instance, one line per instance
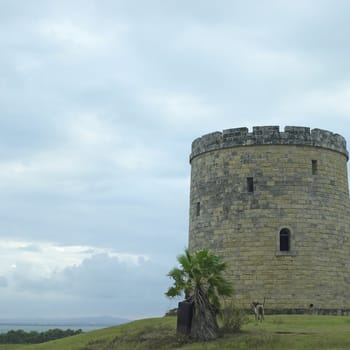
(39, 260)
(329, 100)
(3, 282)
(117, 283)
(130, 285)
(70, 34)
(179, 110)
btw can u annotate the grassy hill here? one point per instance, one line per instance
(277, 332)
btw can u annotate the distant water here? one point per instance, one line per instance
(4, 328)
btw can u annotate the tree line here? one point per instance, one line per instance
(34, 337)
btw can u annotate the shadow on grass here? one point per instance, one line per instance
(149, 338)
(156, 338)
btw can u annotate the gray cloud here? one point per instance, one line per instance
(3, 282)
(122, 288)
(100, 102)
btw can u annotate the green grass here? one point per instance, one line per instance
(279, 332)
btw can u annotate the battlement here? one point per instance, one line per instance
(269, 135)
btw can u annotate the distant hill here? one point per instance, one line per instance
(69, 321)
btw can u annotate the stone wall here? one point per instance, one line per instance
(299, 182)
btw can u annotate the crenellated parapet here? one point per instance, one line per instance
(269, 135)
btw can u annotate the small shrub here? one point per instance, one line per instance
(232, 318)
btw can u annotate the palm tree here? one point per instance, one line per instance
(200, 278)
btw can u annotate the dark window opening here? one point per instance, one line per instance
(198, 209)
(284, 240)
(250, 184)
(314, 167)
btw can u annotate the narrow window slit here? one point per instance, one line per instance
(198, 209)
(314, 167)
(250, 184)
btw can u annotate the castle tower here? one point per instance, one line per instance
(276, 206)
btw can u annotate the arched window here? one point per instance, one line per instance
(285, 240)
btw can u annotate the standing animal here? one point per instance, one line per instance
(258, 309)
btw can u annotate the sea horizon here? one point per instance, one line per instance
(86, 324)
(4, 328)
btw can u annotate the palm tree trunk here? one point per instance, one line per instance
(204, 324)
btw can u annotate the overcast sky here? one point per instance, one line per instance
(99, 103)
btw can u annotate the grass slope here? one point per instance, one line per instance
(290, 332)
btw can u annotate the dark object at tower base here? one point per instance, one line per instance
(184, 317)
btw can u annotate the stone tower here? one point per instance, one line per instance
(276, 206)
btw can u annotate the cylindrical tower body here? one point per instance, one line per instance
(276, 206)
